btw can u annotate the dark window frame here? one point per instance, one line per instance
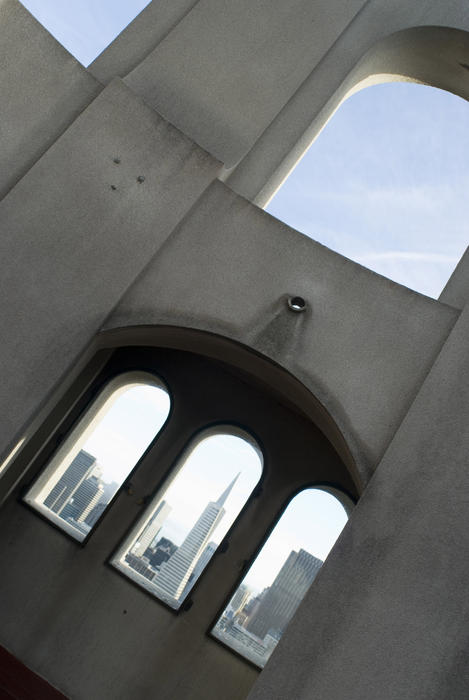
(331, 488)
(63, 432)
(173, 366)
(224, 543)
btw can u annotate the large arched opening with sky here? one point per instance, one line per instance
(385, 184)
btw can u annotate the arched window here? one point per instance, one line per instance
(385, 184)
(173, 542)
(267, 598)
(101, 450)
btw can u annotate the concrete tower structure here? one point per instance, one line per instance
(174, 574)
(132, 235)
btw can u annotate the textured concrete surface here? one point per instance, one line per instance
(74, 620)
(362, 338)
(227, 68)
(74, 244)
(456, 291)
(138, 39)
(387, 615)
(43, 90)
(110, 222)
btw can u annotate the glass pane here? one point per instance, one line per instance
(174, 541)
(263, 605)
(96, 458)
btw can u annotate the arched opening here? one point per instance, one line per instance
(384, 184)
(171, 545)
(431, 135)
(259, 611)
(224, 392)
(86, 471)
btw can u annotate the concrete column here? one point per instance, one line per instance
(387, 616)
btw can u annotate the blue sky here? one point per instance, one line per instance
(85, 27)
(386, 184)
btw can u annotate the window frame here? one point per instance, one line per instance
(96, 392)
(347, 501)
(159, 489)
(232, 394)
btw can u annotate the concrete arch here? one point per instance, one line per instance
(259, 368)
(436, 56)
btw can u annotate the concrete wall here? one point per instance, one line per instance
(111, 221)
(74, 244)
(362, 337)
(94, 634)
(139, 38)
(256, 98)
(43, 90)
(387, 616)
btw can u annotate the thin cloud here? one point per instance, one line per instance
(403, 255)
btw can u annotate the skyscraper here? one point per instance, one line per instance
(204, 559)
(174, 574)
(84, 499)
(285, 594)
(80, 467)
(151, 529)
(109, 489)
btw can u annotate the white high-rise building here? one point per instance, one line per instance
(151, 529)
(174, 574)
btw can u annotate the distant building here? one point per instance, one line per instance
(240, 598)
(84, 499)
(175, 573)
(250, 608)
(151, 529)
(109, 489)
(78, 470)
(162, 552)
(139, 565)
(281, 600)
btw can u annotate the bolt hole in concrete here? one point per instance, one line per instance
(296, 304)
(140, 179)
(386, 182)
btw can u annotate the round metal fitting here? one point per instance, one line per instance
(296, 304)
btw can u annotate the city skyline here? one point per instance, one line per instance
(253, 623)
(313, 520)
(73, 498)
(201, 474)
(173, 576)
